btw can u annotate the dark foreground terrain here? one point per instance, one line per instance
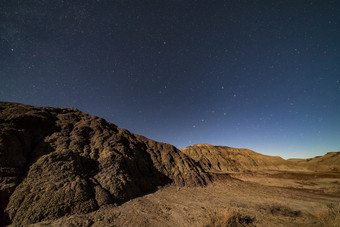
(282, 200)
(62, 167)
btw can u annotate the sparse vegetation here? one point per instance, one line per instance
(284, 211)
(227, 218)
(331, 216)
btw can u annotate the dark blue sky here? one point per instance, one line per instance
(263, 75)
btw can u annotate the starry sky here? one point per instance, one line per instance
(257, 74)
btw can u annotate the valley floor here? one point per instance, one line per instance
(267, 198)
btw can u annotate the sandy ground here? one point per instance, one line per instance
(321, 182)
(269, 198)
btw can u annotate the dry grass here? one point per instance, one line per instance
(227, 218)
(331, 216)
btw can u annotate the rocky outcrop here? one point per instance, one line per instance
(228, 159)
(221, 158)
(60, 161)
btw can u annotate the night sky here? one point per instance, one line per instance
(263, 75)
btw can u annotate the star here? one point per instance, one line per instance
(127, 60)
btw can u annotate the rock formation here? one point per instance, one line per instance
(327, 162)
(60, 161)
(221, 158)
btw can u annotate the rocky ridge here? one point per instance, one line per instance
(60, 161)
(223, 159)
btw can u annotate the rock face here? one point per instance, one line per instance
(221, 158)
(60, 161)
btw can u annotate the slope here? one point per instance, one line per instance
(60, 161)
(221, 158)
(327, 162)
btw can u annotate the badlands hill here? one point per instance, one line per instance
(327, 162)
(221, 158)
(60, 161)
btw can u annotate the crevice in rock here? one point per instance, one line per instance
(111, 199)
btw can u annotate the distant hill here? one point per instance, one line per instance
(221, 158)
(60, 161)
(327, 162)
